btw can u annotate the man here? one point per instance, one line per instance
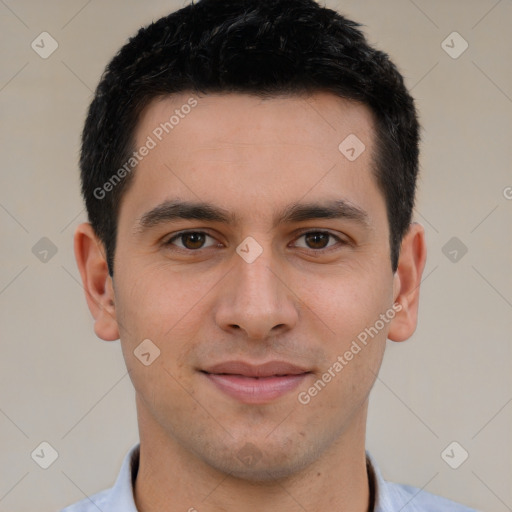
(249, 171)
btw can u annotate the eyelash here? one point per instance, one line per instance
(325, 249)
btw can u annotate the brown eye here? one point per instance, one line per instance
(318, 240)
(191, 240)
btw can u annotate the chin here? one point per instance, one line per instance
(261, 464)
(262, 473)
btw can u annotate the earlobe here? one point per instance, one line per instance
(97, 283)
(406, 286)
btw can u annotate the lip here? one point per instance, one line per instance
(255, 384)
(269, 369)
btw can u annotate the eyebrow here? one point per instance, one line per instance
(171, 210)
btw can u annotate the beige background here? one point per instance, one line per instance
(450, 382)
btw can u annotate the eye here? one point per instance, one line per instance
(195, 240)
(190, 240)
(318, 240)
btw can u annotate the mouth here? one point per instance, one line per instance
(255, 384)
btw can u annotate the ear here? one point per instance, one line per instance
(97, 283)
(406, 285)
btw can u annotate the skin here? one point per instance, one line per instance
(297, 302)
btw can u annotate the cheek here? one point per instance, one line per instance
(351, 356)
(153, 300)
(164, 306)
(351, 305)
(348, 300)
(157, 305)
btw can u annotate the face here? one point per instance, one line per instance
(257, 297)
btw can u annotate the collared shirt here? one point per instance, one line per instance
(389, 497)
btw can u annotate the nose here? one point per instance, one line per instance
(257, 299)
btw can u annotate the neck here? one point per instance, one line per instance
(172, 479)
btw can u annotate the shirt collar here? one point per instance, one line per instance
(383, 501)
(120, 498)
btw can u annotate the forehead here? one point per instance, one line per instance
(317, 119)
(242, 151)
